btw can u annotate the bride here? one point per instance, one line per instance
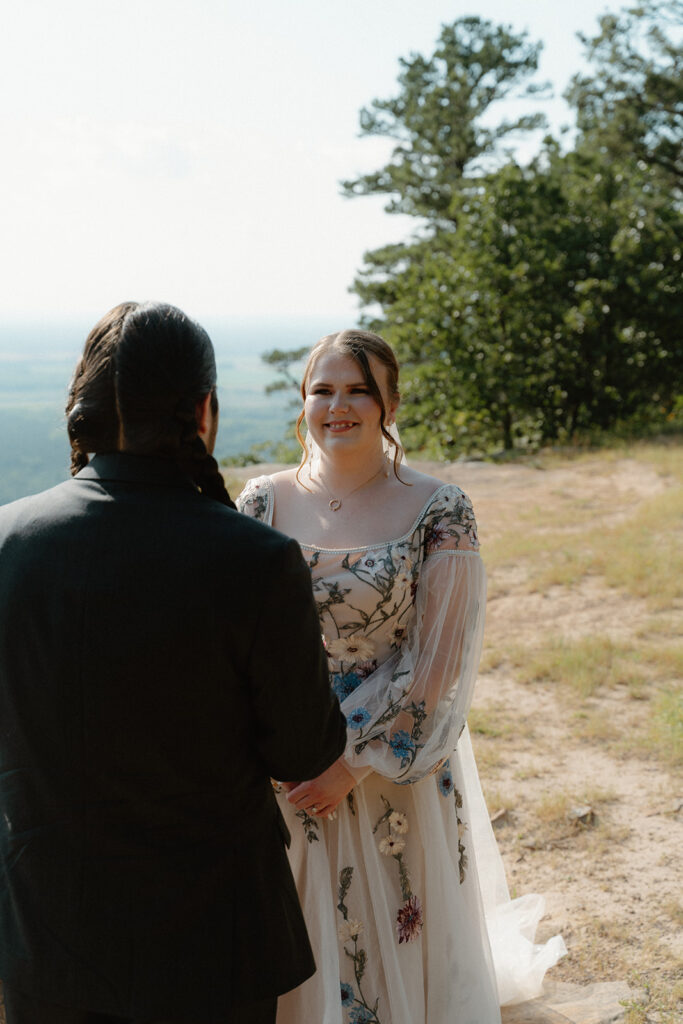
(392, 851)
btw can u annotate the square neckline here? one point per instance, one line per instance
(362, 547)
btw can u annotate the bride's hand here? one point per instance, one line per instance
(322, 795)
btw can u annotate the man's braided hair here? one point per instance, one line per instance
(143, 371)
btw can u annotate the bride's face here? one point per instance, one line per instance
(341, 413)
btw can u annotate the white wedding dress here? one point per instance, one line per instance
(404, 891)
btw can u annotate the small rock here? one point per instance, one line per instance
(582, 815)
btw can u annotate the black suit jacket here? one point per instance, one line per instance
(160, 660)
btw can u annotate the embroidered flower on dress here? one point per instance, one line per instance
(398, 822)
(365, 668)
(409, 920)
(396, 636)
(347, 995)
(350, 930)
(435, 536)
(361, 1015)
(350, 648)
(358, 718)
(402, 745)
(344, 685)
(391, 845)
(446, 780)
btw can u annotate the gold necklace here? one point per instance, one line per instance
(336, 503)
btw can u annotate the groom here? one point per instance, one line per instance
(160, 661)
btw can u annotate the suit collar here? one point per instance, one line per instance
(141, 469)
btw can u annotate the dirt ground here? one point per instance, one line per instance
(613, 882)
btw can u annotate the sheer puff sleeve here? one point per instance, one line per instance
(406, 717)
(256, 499)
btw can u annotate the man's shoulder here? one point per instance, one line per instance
(31, 505)
(200, 520)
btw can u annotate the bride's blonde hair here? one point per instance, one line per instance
(358, 345)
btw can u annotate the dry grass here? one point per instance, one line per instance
(492, 658)
(674, 909)
(585, 664)
(665, 735)
(499, 800)
(552, 808)
(584, 641)
(638, 550)
(666, 457)
(595, 727)
(492, 720)
(644, 555)
(660, 1003)
(555, 814)
(581, 668)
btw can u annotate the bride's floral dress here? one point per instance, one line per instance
(403, 891)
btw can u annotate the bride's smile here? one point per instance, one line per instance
(337, 426)
(339, 406)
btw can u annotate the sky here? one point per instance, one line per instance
(191, 150)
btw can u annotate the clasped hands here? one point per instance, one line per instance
(322, 795)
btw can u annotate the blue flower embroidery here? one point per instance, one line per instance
(402, 746)
(446, 780)
(346, 994)
(343, 685)
(358, 718)
(361, 1015)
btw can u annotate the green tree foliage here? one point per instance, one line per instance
(632, 103)
(525, 327)
(436, 120)
(283, 360)
(534, 301)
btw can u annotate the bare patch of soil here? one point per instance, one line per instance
(613, 884)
